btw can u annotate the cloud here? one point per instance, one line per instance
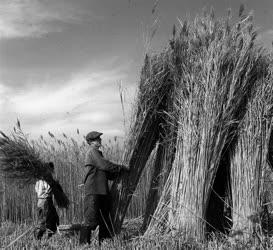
(34, 18)
(79, 90)
(88, 101)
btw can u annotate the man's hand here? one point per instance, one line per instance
(125, 167)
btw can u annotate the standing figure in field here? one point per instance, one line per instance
(47, 214)
(97, 202)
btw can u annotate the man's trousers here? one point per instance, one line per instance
(96, 213)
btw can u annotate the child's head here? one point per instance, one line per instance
(50, 166)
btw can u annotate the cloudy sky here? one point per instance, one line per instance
(62, 61)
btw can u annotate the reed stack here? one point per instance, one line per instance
(249, 161)
(219, 68)
(154, 88)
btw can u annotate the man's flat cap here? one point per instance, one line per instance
(93, 135)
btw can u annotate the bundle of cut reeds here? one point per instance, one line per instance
(161, 166)
(168, 134)
(249, 160)
(155, 84)
(219, 71)
(21, 163)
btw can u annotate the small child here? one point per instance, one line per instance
(47, 214)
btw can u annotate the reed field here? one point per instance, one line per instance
(18, 203)
(199, 148)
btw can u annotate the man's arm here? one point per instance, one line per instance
(99, 162)
(42, 188)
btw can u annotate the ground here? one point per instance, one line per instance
(128, 239)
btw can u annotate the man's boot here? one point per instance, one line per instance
(85, 235)
(39, 232)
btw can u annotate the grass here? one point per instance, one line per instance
(128, 239)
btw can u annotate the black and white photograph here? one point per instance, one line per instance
(136, 124)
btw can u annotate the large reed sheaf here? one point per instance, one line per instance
(220, 68)
(154, 87)
(21, 163)
(249, 160)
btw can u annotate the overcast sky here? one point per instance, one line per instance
(61, 61)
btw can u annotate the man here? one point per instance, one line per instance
(96, 200)
(47, 214)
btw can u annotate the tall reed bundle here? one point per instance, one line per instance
(137, 205)
(220, 67)
(154, 86)
(159, 222)
(168, 134)
(154, 194)
(21, 163)
(163, 162)
(268, 183)
(249, 160)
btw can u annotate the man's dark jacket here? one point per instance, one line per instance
(99, 171)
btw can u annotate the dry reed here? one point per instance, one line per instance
(144, 133)
(220, 68)
(249, 159)
(21, 163)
